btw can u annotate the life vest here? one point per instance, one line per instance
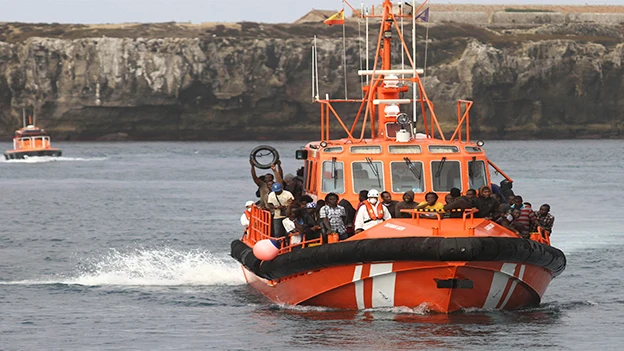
(371, 212)
(248, 215)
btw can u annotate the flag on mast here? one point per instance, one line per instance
(424, 16)
(336, 18)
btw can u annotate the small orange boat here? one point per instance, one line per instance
(426, 261)
(31, 141)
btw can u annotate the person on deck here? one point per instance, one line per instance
(277, 202)
(487, 205)
(294, 225)
(407, 204)
(311, 221)
(371, 213)
(264, 183)
(362, 195)
(387, 201)
(246, 217)
(350, 211)
(431, 203)
(333, 217)
(458, 205)
(545, 219)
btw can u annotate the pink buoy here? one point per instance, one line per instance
(265, 250)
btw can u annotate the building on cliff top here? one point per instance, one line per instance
(502, 15)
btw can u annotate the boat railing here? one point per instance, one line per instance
(35, 142)
(260, 228)
(429, 214)
(260, 222)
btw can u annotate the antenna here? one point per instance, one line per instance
(24, 117)
(34, 122)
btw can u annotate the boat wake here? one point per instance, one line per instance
(46, 159)
(156, 267)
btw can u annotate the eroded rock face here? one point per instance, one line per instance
(241, 88)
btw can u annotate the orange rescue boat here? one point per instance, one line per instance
(31, 141)
(426, 261)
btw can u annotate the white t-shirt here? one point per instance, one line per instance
(289, 225)
(282, 199)
(244, 220)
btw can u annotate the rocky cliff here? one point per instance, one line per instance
(199, 82)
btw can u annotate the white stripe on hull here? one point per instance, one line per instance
(513, 286)
(499, 282)
(384, 281)
(359, 287)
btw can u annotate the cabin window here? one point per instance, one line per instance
(473, 149)
(407, 175)
(367, 175)
(476, 174)
(445, 175)
(404, 149)
(441, 149)
(368, 149)
(333, 177)
(333, 149)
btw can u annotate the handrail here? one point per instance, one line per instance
(32, 142)
(259, 228)
(468, 214)
(460, 121)
(260, 223)
(418, 213)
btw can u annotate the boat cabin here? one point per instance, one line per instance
(31, 137)
(422, 166)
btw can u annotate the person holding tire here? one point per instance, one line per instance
(264, 182)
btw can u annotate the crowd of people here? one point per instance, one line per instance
(297, 216)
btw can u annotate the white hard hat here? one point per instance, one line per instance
(373, 193)
(249, 203)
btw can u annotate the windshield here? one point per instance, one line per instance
(333, 177)
(407, 175)
(446, 175)
(477, 175)
(367, 175)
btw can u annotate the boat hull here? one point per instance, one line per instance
(436, 273)
(22, 154)
(442, 287)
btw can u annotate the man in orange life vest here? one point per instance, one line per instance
(371, 213)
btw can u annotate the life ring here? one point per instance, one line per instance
(262, 151)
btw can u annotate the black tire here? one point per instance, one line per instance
(263, 149)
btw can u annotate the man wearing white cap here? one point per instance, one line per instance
(371, 213)
(245, 217)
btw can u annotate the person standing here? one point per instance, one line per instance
(277, 202)
(371, 213)
(333, 217)
(264, 182)
(407, 204)
(246, 217)
(386, 200)
(545, 219)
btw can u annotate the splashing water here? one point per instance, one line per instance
(160, 267)
(155, 267)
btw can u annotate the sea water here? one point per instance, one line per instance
(125, 246)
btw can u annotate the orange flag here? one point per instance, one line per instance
(337, 18)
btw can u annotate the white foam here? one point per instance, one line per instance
(155, 267)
